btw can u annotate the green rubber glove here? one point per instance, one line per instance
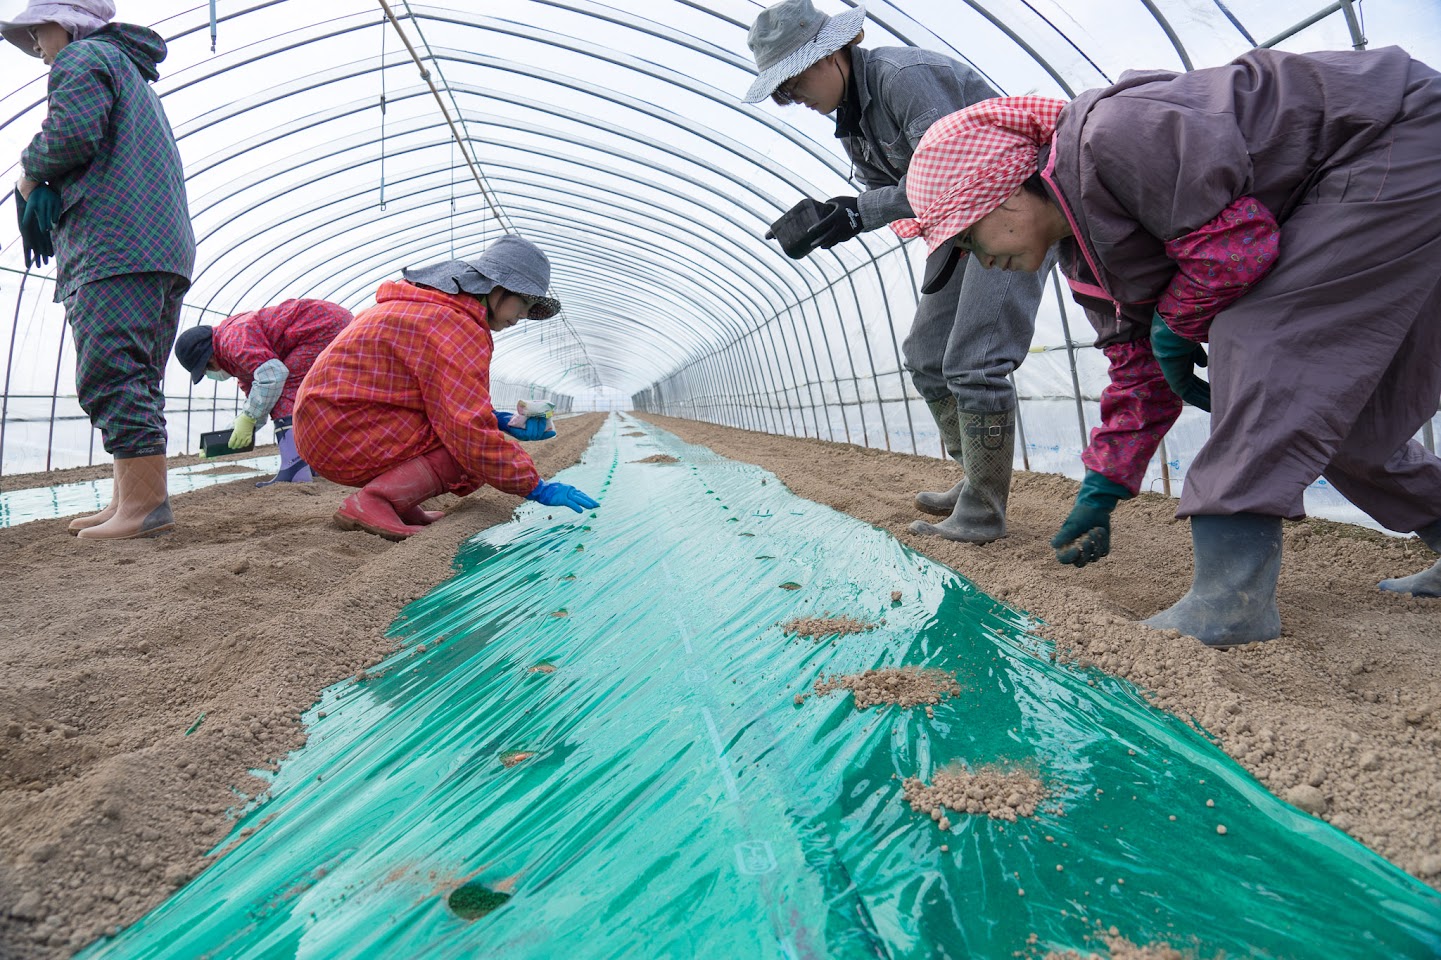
(1179, 359)
(1085, 537)
(42, 208)
(243, 432)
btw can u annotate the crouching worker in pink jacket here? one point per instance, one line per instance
(399, 404)
(1285, 209)
(268, 351)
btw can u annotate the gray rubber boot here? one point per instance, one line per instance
(1232, 599)
(979, 516)
(1427, 583)
(949, 421)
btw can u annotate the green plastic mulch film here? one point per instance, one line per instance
(590, 746)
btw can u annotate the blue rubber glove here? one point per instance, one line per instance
(1179, 359)
(536, 428)
(1085, 537)
(554, 494)
(42, 208)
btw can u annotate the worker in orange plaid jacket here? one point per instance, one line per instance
(399, 403)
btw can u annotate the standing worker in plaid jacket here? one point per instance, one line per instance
(102, 181)
(269, 351)
(399, 403)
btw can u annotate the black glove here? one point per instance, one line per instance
(1179, 359)
(841, 223)
(36, 242)
(798, 227)
(811, 225)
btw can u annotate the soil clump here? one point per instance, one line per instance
(891, 686)
(826, 626)
(997, 792)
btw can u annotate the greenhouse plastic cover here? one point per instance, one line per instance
(589, 744)
(318, 163)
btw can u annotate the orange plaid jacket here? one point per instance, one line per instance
(410, 374)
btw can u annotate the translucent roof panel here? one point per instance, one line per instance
(319, 162)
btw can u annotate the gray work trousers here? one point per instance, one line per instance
(969, 335)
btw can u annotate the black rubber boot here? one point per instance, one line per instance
(1427, 583)
(1232, 599)
(948, 420)
(979, 515)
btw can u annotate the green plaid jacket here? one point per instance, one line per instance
(107, 147)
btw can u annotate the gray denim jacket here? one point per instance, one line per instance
(902, 91)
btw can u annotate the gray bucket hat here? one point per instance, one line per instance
(80, 18)
(512, 262)
(791, 36)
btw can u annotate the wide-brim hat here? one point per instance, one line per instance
(193, 349)
(512, 262)
(80, 18)
(793, 35)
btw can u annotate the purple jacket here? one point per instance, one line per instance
(1159, 155)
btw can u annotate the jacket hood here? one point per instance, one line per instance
(145, 48)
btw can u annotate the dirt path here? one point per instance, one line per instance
(111, 653)
(1341, 715)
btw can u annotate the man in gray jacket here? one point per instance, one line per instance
(971, 333)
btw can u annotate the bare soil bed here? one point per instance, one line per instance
(111, 652)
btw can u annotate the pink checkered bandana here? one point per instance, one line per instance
(968, 163)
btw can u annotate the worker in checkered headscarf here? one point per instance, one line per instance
(1284, 208)
(123, 255)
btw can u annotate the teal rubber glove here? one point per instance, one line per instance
(554, 494)
(1179, 359)
(536, 428)
(1085, 537)
(243, 432)
(36, 243)
(42, 208)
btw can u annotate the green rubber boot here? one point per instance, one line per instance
(979, 515)
(948, 420)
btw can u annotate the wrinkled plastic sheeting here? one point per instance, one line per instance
(92, 496)
(661, 794)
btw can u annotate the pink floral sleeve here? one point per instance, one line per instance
(1137, 408)
(1217, 264)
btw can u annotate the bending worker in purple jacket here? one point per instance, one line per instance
(1284, 208)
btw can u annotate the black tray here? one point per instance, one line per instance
(216, 443)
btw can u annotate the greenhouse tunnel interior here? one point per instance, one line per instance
(319, 163)
(328, 146)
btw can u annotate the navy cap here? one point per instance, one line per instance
(193, 349)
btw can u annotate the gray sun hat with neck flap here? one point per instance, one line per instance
(791, 36)
(80, 18)
(512, 262)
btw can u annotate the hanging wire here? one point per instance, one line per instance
(445, 111)
(382, 115)
(452, 200)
